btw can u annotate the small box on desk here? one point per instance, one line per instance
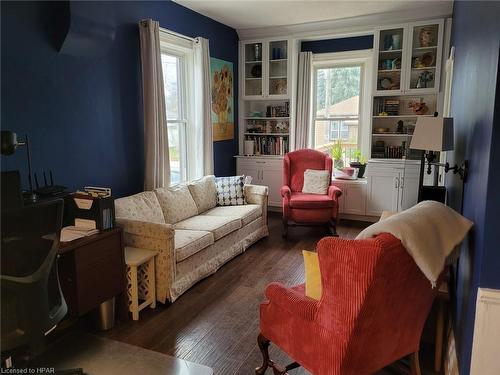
(99, 210)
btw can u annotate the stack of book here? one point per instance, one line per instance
(391, 106)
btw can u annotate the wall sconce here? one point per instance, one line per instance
(435, 134)
(9, 145)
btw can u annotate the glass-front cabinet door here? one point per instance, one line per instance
(278, 67)
(253, 74)
(391, 61)
(424, 57)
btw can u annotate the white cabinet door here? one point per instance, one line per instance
(252, 56)
(355, 199)
(272, 178)
(264, 172)
(408, 191)
(383, 191)
(249, 169)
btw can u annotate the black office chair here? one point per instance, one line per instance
(32, 301)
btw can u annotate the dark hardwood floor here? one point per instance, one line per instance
(216, 322)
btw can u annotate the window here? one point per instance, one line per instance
(338, 113)
(177, 120)
(177, 66)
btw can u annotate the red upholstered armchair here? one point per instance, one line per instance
(373, 307)
(302, 208)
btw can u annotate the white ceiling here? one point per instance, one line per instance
(244, 14)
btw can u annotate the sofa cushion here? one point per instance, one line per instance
(219, 226)
(230, 190)
(247, 213)
(204, 193)
(189, 242)
(176, 203)
(303, 200)
(143, 206)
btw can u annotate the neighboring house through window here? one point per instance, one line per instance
(340, 108)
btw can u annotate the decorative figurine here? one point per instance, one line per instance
(424, 78)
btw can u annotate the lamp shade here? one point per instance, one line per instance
(433, 134)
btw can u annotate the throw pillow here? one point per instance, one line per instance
(204, 193)
(313, 275)
(176, 203)
(230, 190)
(316, 182)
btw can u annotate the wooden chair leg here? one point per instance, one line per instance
(438, 354)
(332, 226)
(414, 364)
(285, 228)
(264, 349)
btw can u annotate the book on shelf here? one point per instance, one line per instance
(270, 145)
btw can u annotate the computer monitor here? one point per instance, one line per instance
(12, 196)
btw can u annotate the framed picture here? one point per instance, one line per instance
(222, 99)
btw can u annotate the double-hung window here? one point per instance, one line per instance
(177, 67)
(339, 107)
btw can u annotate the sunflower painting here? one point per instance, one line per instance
(222, 99)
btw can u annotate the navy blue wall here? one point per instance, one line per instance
(84, 114)
(338, 45)
(476, 37)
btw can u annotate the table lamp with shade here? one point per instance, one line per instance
(435, 134)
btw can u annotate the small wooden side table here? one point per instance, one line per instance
(136, 259)
(91, 270)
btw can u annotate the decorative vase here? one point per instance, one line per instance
(396, 41)
(338, 163)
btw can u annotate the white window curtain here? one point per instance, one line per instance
(304, 101)
(203, 161)
(157, 165)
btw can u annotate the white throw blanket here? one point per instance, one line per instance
(429, 232)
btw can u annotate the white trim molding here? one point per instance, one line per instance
(485, 358)
(360, 25)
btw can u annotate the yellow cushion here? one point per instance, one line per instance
(313, 275)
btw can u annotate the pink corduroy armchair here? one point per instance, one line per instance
(372, 311)
(302, 208)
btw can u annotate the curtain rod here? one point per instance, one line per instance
(177, 34)
(144, 22)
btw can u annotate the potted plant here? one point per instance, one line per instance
(336, 154)
(360, 163)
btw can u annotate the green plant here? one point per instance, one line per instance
(359, 157)
(336, 153)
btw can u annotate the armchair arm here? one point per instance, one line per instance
(286, 192)
(334, 192)
(291, 300)
(157, 237)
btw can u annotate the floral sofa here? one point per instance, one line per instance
(192, 235)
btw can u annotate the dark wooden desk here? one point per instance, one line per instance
(91, 270)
